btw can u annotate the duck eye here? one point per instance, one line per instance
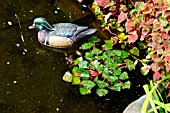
(40, 27)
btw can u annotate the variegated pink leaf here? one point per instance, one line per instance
(103, 3)
(128, 26)
(122, 17)
(157, 76)
(133, 36)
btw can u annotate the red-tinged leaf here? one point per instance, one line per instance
(114, 40)
(155, 1)
(143, 23)
(157, 76)
(167, 68)
(122, 17)
(164, 35)
(150, 21)
(169, 93)
(167, 57)
(147, 10)
(103, 3)
(166, 44)
(93, 73)
(144, 31)
(132, 37)
(155, 68)
(156, 25)
(128, 26)
(145, 70)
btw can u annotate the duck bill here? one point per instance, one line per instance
(31, 27)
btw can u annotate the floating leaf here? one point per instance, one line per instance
(96, 79)
(83, 64)
(105, 74)
(116, 87)
(121, 29)
(98, 57)
(124, 54)
(76, 80)
(87, 45)
(95, 63)
(122, 36)
(135, 51)
(111, 53)
(117, 72)
(101, 92)
(88, 54)
(84, 90)
(97, 51)
(130, 64)
(123, 76)
(102, 84)
(78, 60)
(142, 45)
(75, 70)
(88, 83)
(109, 62)
(117, 59)
(145, 70)
(67, 77)
(112, 78)
(126, 85)
(94, 39)
(100, 68)
(117, 52)
(85, 74)
(108, 44)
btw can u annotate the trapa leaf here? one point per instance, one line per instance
(84, 90)
(94, 39)
(76, 80)
(130, 64)
(135, 51)
(102, 84)
(123, 76)
(126, 85)
(67, 76)
(101, 92)
(87, 45)
(88, 83)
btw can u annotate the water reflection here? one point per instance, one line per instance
(31, 74)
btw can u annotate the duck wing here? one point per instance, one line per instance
(68, 29)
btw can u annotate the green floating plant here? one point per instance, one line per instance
(101, 68)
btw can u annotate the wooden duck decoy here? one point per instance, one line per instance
(60, 35)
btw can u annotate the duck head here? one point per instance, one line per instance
(40, 23)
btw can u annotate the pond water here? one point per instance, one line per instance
(31, 74)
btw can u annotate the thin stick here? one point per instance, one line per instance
(22, 37)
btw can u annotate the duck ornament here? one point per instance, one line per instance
(60, 35)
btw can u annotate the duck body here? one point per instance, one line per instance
(60, 35)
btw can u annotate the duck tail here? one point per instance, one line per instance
(85, 33)
(89, 31)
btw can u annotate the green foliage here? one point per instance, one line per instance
(101, 68)
(155, 96)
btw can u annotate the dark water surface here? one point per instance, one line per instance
(31, 75)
